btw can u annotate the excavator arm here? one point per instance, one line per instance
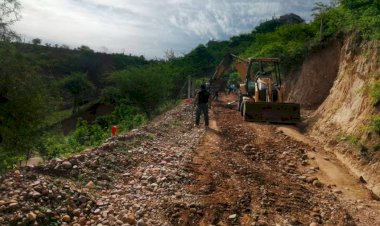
(229, 60)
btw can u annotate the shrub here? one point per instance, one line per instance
(375, 124)
(54, 145)
(374, 92)
(87, 135)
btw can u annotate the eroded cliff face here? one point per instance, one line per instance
(347, 109)
(335, 82)
(310, 84)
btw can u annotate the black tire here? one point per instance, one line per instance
(240, 101)
(241, 108)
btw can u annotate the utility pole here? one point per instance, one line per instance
(193, 87)
(321, 30)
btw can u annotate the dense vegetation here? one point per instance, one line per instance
(42, 85)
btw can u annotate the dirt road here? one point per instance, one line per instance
(172, 173)
(254, 174)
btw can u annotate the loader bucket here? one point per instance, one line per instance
(288, 113)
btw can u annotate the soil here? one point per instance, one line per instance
(258, 173)
(310, 84)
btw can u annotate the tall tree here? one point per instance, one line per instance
(23, 107)
(36, 41)
(9, 13)
(148, 87)
(77, 85)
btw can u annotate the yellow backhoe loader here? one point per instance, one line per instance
(261, 96)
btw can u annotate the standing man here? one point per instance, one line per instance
(201, 100)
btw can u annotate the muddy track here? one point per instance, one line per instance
(252, 174)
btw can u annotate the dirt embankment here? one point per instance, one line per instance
(311, 83)
(335, 81)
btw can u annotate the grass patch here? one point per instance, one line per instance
(374, 92)
(356, 143)
(374, 125)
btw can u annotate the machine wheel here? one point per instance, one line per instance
(240, 102)
(241, 108)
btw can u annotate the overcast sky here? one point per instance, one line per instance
(148, 27)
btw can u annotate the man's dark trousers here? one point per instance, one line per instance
(201, 107)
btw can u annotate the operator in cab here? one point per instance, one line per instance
(202, 105)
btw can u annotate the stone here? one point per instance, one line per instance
(152, 179)
(262, 223)
(314, 224)
(31, 216)
(66, 218)
(129, 218)
(247, 147)
(141, 223)
(77, 212)
(232, 216)
(34, 194)
(317, 183)
(311, 179)
(13, 205)
(90, 184)
(82, 221)
(67, 165)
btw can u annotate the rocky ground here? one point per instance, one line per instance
(172, 173)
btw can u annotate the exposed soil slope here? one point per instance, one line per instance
(310, 85)
(347, 110)
(335, 81)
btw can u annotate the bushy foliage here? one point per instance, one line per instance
(146, 87)
(375, 124)
(78, 85)
(361, 16)
(125, 117)
(288, 42)
(24, 103)
(374, 92)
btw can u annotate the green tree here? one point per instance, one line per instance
(36, 41)
(200, 61)
(77, 85)
(84, 48)
(25, 103)
(148, 87)
(9, 14)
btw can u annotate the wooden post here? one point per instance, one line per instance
(321, 29)
(189, 87)
(193, 87)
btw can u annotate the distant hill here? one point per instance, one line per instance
(57, 62)
(271, 25)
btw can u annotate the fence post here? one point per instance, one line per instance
(189, 87)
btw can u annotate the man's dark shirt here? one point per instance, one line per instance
(203, 96)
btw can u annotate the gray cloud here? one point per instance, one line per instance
(148, 27)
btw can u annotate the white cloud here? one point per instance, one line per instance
(147, 27)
